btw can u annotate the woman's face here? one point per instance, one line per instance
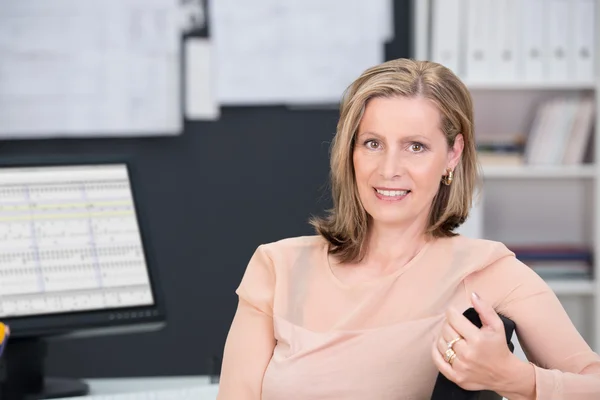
(400, 156)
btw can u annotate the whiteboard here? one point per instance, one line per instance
(89, 68)
(296, 52)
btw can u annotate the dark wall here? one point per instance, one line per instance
(214, 193)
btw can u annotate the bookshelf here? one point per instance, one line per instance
(516, 86)
(535, 204)
(541, 172)
(573, 287)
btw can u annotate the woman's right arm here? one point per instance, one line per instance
(248, 350)
(250, 342)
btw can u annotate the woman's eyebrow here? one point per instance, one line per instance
(371, 133)
(407, 138)
(415, 137)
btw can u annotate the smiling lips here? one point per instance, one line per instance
(391, 194)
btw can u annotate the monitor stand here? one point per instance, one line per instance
(22, 373)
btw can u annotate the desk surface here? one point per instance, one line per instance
(128, 385)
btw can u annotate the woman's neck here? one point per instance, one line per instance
(388, 246)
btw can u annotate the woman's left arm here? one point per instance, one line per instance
(564, 366)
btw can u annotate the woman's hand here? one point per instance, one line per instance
(483, 360)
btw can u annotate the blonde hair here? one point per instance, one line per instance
(346, 225)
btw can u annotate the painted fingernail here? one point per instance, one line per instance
(475, 296)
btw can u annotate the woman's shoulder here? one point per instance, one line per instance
(481, 252)
(296, 244)
(269, 268)
(491, 261)
(497, 274)
(468, 255)
(287, 250)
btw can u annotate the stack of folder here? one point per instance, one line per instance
(515, 40)
(557, 261)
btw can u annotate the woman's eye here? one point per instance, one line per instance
(417, 147)
(372, 144)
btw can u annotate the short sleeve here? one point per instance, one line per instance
(257, 286)
(250, 342)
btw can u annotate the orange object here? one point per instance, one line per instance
(4, 332)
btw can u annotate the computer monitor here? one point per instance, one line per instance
(74, 260)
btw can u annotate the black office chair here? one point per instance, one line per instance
(445, 389)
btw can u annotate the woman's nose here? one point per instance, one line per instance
(392, 164)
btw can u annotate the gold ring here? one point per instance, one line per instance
(449, 354)
(451, 343)
(451, 359)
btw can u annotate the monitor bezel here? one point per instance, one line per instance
(96, 321)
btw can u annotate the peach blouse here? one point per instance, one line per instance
(300, 333)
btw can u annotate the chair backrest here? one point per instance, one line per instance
(487, 395)
(444, 389)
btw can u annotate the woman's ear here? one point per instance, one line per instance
(455, 151)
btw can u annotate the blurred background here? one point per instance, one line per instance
(229, 107)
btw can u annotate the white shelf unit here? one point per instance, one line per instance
(573, 287)
(535, 204)
(539, 171)
(512, 86)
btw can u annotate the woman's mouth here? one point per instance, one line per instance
(391, 194)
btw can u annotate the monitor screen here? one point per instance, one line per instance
(69, 241)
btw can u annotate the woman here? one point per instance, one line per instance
(371, 307)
